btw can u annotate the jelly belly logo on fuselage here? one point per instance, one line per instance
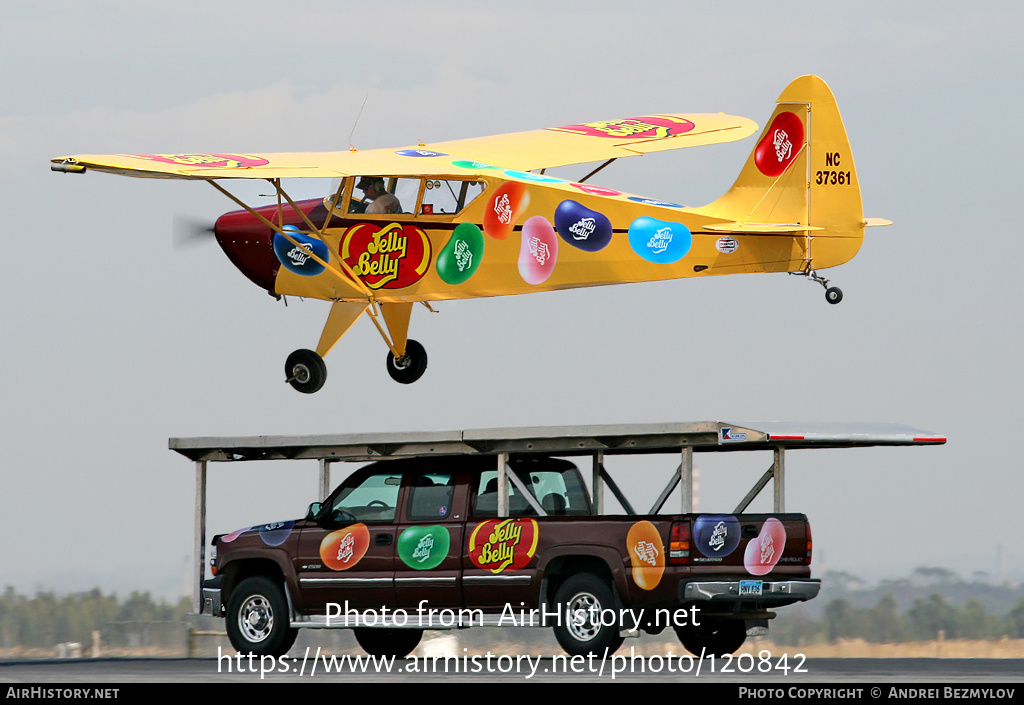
(386, 257)
(644, 127)
(781, 144)
(208, 161)
(498, 545)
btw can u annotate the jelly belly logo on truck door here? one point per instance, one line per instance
(498, 545)
(392, 256)
(646, 553)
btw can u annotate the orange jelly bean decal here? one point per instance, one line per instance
(504, 208)
(342, 549)
(646, 553)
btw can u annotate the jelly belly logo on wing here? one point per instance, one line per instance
(764, 552)
(208, 161)
(300, 256)
(340, 550)
(386, 257)
(498, 545)
(780, 145)
(646, 553)
(644, 127)
(424, 547)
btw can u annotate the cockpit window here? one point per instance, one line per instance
(448, 197)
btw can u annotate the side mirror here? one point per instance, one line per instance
(314, 510)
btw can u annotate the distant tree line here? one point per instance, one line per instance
(48, 618)
(924, 620)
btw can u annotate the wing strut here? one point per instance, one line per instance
(583, 180)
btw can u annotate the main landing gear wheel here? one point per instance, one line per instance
(305, 371)
(410, 367)
(833, 294)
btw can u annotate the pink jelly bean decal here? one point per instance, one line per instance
(765, 551)
(538, 251)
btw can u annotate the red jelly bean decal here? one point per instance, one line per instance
(780, 145)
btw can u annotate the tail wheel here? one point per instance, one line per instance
(713, 637)
(833, 294)
(585, 602)
(409, 367)
(397, 643)
(305, 371)
(258, 621)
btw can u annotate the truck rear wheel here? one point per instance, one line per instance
(398, 643)
(258, 619)
(713, 637)
(587, 621)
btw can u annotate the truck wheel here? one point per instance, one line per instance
(397, 643)
(714, 637)
(258, 619)
(582, 603)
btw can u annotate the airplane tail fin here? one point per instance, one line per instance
(800, 173)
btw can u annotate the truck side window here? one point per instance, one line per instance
(558, 492)
(373, 499)
(430, 496)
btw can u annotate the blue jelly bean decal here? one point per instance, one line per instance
(296, 258)
(419, 153)
(581, 227)
(716, 535)
(275, 534)
(659, 241)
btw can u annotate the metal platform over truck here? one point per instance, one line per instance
(678, 439)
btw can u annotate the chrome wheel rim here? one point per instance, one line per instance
(256, 618)
(584, 614)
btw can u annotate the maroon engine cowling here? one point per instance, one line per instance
(249, 243)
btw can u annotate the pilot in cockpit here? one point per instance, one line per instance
(381, 201)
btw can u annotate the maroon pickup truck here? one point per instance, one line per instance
(406, 545)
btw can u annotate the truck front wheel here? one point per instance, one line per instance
(587, 621)
(258, 621)
(713, 637)
(397, 643)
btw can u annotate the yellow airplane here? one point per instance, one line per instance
(479, 217)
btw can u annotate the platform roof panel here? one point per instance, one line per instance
(702, 436)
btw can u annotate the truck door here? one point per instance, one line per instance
(430, 536)
(349, 554)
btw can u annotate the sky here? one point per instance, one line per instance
(115, 340)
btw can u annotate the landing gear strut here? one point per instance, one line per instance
(833, 294)
(305, 371)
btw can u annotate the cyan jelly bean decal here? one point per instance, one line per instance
(659, 241)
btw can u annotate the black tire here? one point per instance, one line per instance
(411, 367)
(258, 619)
(305, 371)
(397, 643)
(580, 599)
(713, 637)
(833, 294)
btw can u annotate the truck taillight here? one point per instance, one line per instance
(810, 543)
(679, 543)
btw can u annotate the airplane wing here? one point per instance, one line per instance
(522, 151)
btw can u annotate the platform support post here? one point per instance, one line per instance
(200, 538)
(779, 475)
(325, 478)
(686, 479)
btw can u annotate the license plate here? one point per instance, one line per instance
(751, 588)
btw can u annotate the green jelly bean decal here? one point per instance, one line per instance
(459, 259)
(424, 547)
